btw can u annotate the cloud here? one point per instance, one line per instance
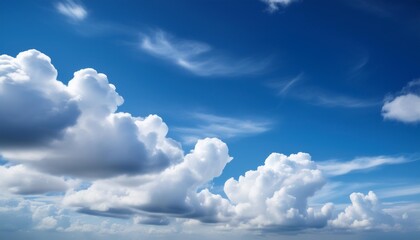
(21, 215)
(72, 10)
(196, 57)
(24, 123)
(20, 179)
(399, 191)
(173, 191)
(405, 107)
(80, 122)
(112, 164)
(365, 212)
(273, 5)
(222, 127)
(276, 194)
(334, 168)
(315, 96)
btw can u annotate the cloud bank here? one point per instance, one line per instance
(72, 139)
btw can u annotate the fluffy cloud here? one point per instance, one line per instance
(276, 194)
(128, 168)
(20, 214)
(173, 191)
(20, 179)
(273, 5)
(35, 107)
(406, 106)
(74, 129)
(365, 212)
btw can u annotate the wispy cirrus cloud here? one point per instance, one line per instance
(71, 9)
(295, 89)
(399, 191)
(273, 5)
(223, 127)
(197, 57)
(336, 168)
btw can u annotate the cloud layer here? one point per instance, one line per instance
(113, 164)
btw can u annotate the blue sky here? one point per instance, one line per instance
(137, 118)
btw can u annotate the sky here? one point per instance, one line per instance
(210, 119)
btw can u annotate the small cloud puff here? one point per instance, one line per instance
(365, 212)
(406, 106)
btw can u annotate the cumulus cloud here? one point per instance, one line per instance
(273, 5)
(276, 194)
(20, 179)
(77, 124)
(405, 107)
(20, 214)
(71, 9)
(35, 107)
(365, 212)
(173, 191)
(126, 167)
(196, 57)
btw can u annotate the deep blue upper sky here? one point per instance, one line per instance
(311, 77)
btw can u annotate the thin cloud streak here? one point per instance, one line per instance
(399, 191)
(72, 10)
(197, 57)
(223, 127)
(273, 5)
(316, 96)
(335, 168)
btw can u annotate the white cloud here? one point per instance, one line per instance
(406, 106)
(45, 111)
(399, 191)
(76, 128)
(273, 5)
(335, 168)
(221, 127)
(22, 215)
(197, 57)
(130, 169)
(172, 192)
(72, 10)
(276, 194)
(20, 179)
(365, 212)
